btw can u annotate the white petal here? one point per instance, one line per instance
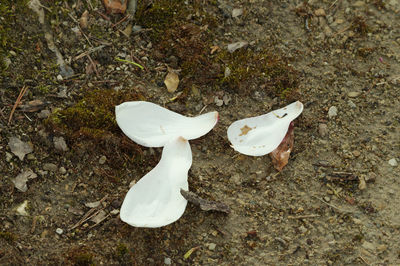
(155, 200)
(260, 135)
(151, 125)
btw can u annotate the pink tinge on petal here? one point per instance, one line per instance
(280, 156)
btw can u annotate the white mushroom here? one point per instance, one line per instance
(155, 200)
(151, 125)
(260, 135)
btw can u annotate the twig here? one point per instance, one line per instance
(102, 15)
(92, 212)
(119, 22)
(79, 27)
(364, 260)
(89, 52)
(94, 65)
(17, 102)
(334, 2)
(34, 224)
(304, 216)
(137, 59)
(331, 205)
(205, 205)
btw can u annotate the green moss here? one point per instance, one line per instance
(8, 236)
(93, 116)
(80, 256)
(160, 15)
(265, 68)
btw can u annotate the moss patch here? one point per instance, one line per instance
(272, 72)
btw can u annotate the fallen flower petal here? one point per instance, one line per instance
(155, 200)
(260, 135)
(151, 125)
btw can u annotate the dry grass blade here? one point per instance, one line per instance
(17, 102)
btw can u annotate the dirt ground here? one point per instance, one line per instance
(335, 203)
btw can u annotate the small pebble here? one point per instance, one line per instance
(59, 231)
(167, 261)
(50, 167)
(352, 104)
(393, 162)
(320, 12)
(236, 12)
(60, 144)
(218, 102)
(62, 170)
(102, 159)
(323, 130)
(332, 112)
(44, 114)
(212, 246)
(353, 94)
(8, 156)
(362, 185)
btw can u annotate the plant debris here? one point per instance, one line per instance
(205, 205)
(21, 180)
(171, 80)
(280, 156)
(19, 148)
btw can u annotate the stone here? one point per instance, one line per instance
(44, 114)
(19, 148)
(352, 104)
(102, 159)
(237, 45)
(59, 231)
(62, 170)
(212, 246)
(22, 178)
(353, 94)
(60, 144)
(362, 184)
(320, 12)
(359, 4)
(8, 156)
(323, 129)
(50, 167)
(393, 162)
(167, 261)
(332, 112)
(368, 245)
(236, 12)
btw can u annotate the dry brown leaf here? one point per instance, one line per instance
(171, 81)
(115, 6)
(280, 156)
(83, 21)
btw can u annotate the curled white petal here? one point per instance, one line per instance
(260, 135)
(155, 200)
(151, 125)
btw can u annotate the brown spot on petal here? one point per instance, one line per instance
(245, 130)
